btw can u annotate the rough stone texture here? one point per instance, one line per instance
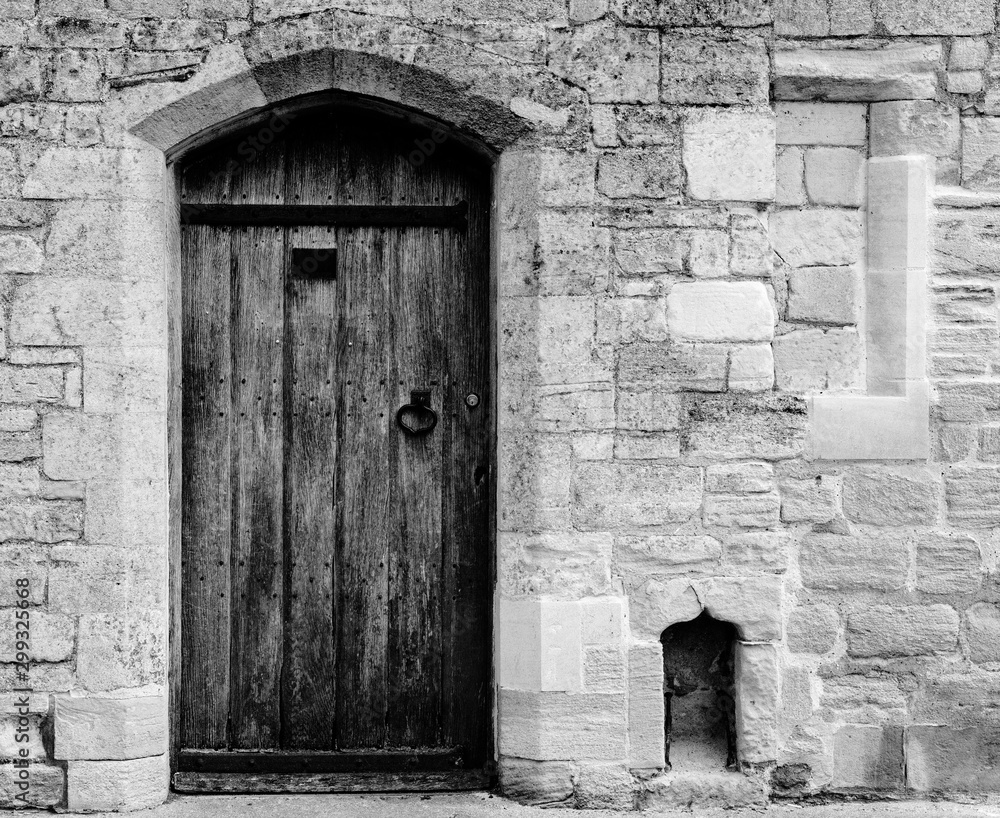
(826, 295)
(891, 498)
(93, 786)
(813, 629)
(980, 154)
(723, 311)
(816, 361)
(730, 156)
(843, 562)
(93, 728)
(904, 631)
(982, 632)
(713, 70)
(833, 176)
(815, 123)
(868, 757)
(815, 238)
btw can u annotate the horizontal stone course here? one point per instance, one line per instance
(904, 631)
(96, 728)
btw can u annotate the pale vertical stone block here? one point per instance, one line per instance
(757, 680)
(105, 729)
(541, 647)
(751, 368)
(603, 621)
(561, 645)
(729, 156)
(519, 639)
(96, 786)
(647, 744)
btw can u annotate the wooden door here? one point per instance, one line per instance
(336, 580)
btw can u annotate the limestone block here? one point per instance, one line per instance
(604, 786)
(647, 446)
(822, 123)
(21, 74)
(750, 251)
(739, 478)
(914, 126)
(982, 632)
(218, 9)
(96, 173)
(980, 166)
(857, 75)
(633, 495)
(637, 558)
(811, 360)
(948, 564)
(586, 11)
(613, 64)
(101, 239)
(648, 410)
(19, 254)
(945, 758)
(574, 254)
(602, 620)
(755, 552)
(847, 427)
(964, 82)
(52, 636)
(121, 651)
(966, 242)
(826, 295)
(680, 791)
(868, 756)
(567, 565)
(125, 380)
(567, 179)
(43, 521)
(21, 737)
(898, 213)
(77, 76)
(886, 498)
(639, 125)
(720, 311)
(729, 155)
(627, 320)
(103, 579)
(870, 699)
(537, 783)
(670, 13)
(972, 495)
(645, 706)
(576, 408)
(812, 629)
(969, 402)
(747, 427)
(31, 385)
(809, 500)
(936, 17)
(817, 237)
(910, 630)
(630, 173)
(694, 367)
(742, 510)
(554, 726)
(713, 70)
(968, 54)
(604, 669)
(839, 562)
(751, 368)
(708, 256)
(81, 447)
(757, 681)
(45, 790)
(94, 786)
(549, 648)
(643, 252)
(654, 606)
(127, 512)
(56, 311)
(19, 446)
(790, 170)
(753, 604)
(105, 729)
(565, 344)
(833, 176)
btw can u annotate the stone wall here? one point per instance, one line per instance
(700, 286)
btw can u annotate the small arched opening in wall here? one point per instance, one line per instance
(699, 695)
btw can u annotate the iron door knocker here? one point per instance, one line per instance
(416, 417)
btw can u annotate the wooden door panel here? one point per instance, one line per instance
(309, 677)
(345, 614)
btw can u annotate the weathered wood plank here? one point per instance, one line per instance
(290, 761)
(333, 782)
(309, 673)
(418, 344)
(323, 214)
(206, 468)
(258, 586)
(365, 513)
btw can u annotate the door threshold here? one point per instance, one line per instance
(261, 783)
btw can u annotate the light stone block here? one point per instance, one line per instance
(848, 427)
(125, 380)
(981, 153)
(540, 645)
(106, 729)
(554, 726)
(752, 604)
(897, 71)
(968, 53)
(729, 156)
(757, 681)
(914, 127)
(85, 447)
(811, 360)
(826, 295)
(655, 605)
(790, 168)
(964, 82)
(817, 237)
(645, 706)
(97, 786)
(52, 636)
(822, 123)
(833, 176)
(19, 254)
(630, 496)
(868, 756)
(909, 630)
(720, 311)
(96, 173)
(751, 368)
(613, 64)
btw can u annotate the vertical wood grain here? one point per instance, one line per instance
(206, 470)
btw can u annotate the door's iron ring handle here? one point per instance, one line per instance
(419, 409)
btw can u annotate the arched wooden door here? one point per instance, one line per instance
(336, 580)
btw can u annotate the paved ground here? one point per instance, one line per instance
(481, 805)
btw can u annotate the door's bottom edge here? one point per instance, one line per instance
(263, 783)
